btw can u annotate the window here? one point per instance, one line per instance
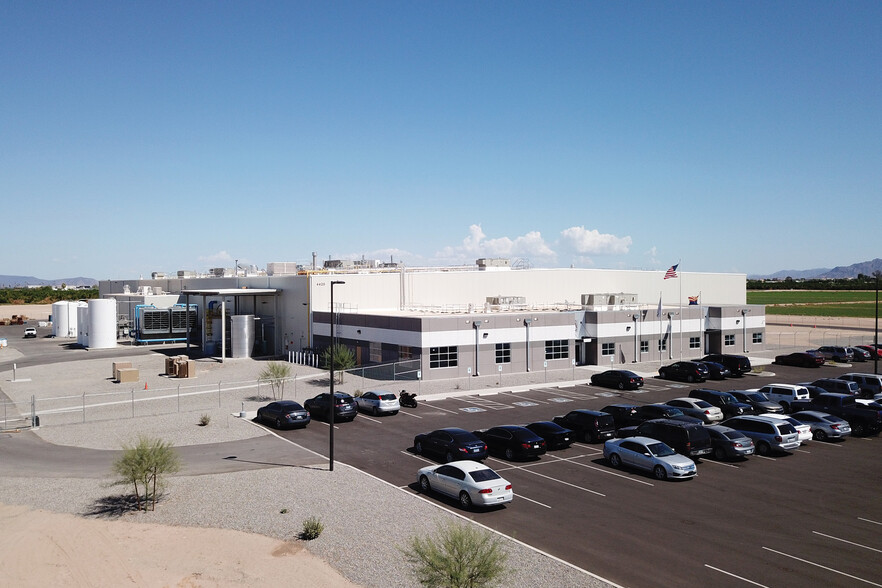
(608, 349)
(644, 347)
(442, 357)
(757, 337)
(557, 349)
(694, 342)
(662, 344)
(729, 341)
(503, 353)
(404, 353)
(376, 352)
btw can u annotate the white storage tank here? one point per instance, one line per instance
(102, 323)
(242, 334)
(82, 312)
(60, 319)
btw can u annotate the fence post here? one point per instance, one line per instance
(133, 403)
(218, 395)
(33, 411)
(179, 397)
(84, 407)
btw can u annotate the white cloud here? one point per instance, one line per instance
(476, 245)
(219, 259)
(593, 242)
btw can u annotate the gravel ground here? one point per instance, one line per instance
(362, 544)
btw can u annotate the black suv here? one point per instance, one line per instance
(689, 439)
(688, 371)
(725, 401)
(738, 364)
(590, 425)
(344, 406)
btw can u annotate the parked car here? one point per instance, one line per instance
(728, 443)
(768, 434)
(860, 355)
(784, 394)
(760, 404)
(621, 379)
(450, 444)
(801, 359)
(697, 408)
(824, 426)
(689, 439)
(470, 482)
(647, 412)
(650, 455)
(378, 402)
(556, 437)
(716, 371)
(722, 400)
(838, 386)
(870, 384)
(836, 353)
(738, 364)
(30, 332)
(687, 371)
(864, 420)
(873, 351)
(344, 406)
(283, 413)
(512, 441)
(589, 425)
(622, 414)
(803, 431)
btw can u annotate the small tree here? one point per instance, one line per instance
(343, 359)
(276, 373)
(462, 556)
(144, 465)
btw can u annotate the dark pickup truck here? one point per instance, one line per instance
(864, 420)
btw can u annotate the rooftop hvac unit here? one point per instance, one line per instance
(179, 318)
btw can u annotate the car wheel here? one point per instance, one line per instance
(465, 500)
(820, 435)
(763, 448)
(786, 407)
(660, 473)
(376, 411)
(278, 424)
(858, 429)
(689, 379)
(588, 437)
(621, 386)
(418, 447)
(615, 461)
(449, 457)
(509, 454)
(394, 412)
(720, 453)
(424, 484)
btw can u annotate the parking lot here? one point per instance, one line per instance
(808, 518)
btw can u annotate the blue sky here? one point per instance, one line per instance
(158, 136)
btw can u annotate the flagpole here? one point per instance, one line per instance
(681, 313)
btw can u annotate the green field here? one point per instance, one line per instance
(831, 303)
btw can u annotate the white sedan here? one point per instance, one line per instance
(378, 402)
(700, 409)
(804, 430)
(471, 482)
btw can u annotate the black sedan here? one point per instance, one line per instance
(344, 406)
(621, 379)
(729, 443)
(450, 444)
(688, 371)
(556, 437)
(800, 359)
(760, 403)
(512, 442)
(715, 371)
(284, 413)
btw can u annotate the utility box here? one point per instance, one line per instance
(187, 368)
(171, 366)
(118, 365)
(128, 374)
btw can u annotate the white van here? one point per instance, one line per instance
(784, 394)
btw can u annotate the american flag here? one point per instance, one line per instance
(672, 271)
(693, 300)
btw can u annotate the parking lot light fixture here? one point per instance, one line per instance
(333, 399)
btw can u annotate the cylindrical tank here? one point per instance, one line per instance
(242, 335)
(102, 323)
(82, 324)
(60, 322)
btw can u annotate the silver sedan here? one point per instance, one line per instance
(824, 426)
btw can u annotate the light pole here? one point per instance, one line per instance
(744, 312)
(477, 325)
(333, 353)
(527, 323)
(876, 335)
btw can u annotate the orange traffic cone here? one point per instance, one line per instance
(145, 385)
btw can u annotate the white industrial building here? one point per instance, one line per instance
(450, 322)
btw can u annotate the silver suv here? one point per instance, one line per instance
(768, 434)
(836, 353)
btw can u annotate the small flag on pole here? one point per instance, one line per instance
(693, 300)
(658, 312)
(672, 271)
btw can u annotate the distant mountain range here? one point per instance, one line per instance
(866, 268)
(25, 281)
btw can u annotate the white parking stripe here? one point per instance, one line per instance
(415, 456)
(564, 483)
(369, 419)
(520, 396)
(869, 521)
(846, 541)
(823, 567)
(416, 416)
(743, 579)
(606, 471)
(531, 500)
(728, 465)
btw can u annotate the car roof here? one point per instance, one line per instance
(641, 439)
(467, 465)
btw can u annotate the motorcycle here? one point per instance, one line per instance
(407, 399)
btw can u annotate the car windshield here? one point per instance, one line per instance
(387, 397)
(757, 397)
(464, 437)
(702, 404)
(660, 450)
(786, 429)
(484, 475)
(733, 435)
(673, 411)
(727, 399)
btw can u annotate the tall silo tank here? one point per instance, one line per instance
(60, 322)
(242, 334)
(102, 323)
(82, 324)
(72, 316)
